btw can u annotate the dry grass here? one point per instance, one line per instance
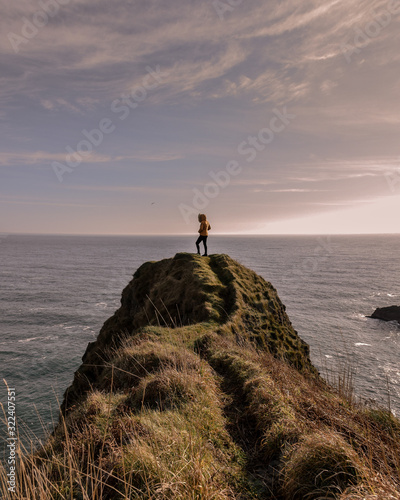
(163, 437)
(233, 423)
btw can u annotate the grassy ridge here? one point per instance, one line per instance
(215, 399)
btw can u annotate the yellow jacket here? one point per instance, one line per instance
(204, 225)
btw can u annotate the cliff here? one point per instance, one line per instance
(198, 387)
(198, 298)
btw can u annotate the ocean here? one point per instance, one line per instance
(57, 291)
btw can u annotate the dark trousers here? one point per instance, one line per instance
(204, 240)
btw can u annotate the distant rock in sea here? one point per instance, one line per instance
(391, 313)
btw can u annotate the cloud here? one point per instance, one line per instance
(87, 45)
(43, 157)
(31, 201)
(296, 190)
(146, 189)
(59, 104)
(335, 170)
(37, 157)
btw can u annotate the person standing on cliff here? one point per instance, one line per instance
(203, 231)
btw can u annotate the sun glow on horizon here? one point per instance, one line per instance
(379, 217)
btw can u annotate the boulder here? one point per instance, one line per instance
(391, 313)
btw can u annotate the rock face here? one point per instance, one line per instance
(198, 387)
(188, 290)
(391, 313)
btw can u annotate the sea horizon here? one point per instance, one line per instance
(5, 233)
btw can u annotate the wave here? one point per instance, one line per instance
(22, 341)
(49, 337)
(103, 305)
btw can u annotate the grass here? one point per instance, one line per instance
(320, 465)
(227, 406)
(210, 427)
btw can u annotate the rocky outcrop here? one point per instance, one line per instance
(230, 299)
(391, 313)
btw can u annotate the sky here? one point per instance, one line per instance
(133, 116)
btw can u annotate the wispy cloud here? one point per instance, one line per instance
(148, 189)
(342, 170)
(84, 47)
(297, 190)
(31, 201)
(40, 157)
(44, 157)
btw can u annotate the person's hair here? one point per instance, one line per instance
(202, 217)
